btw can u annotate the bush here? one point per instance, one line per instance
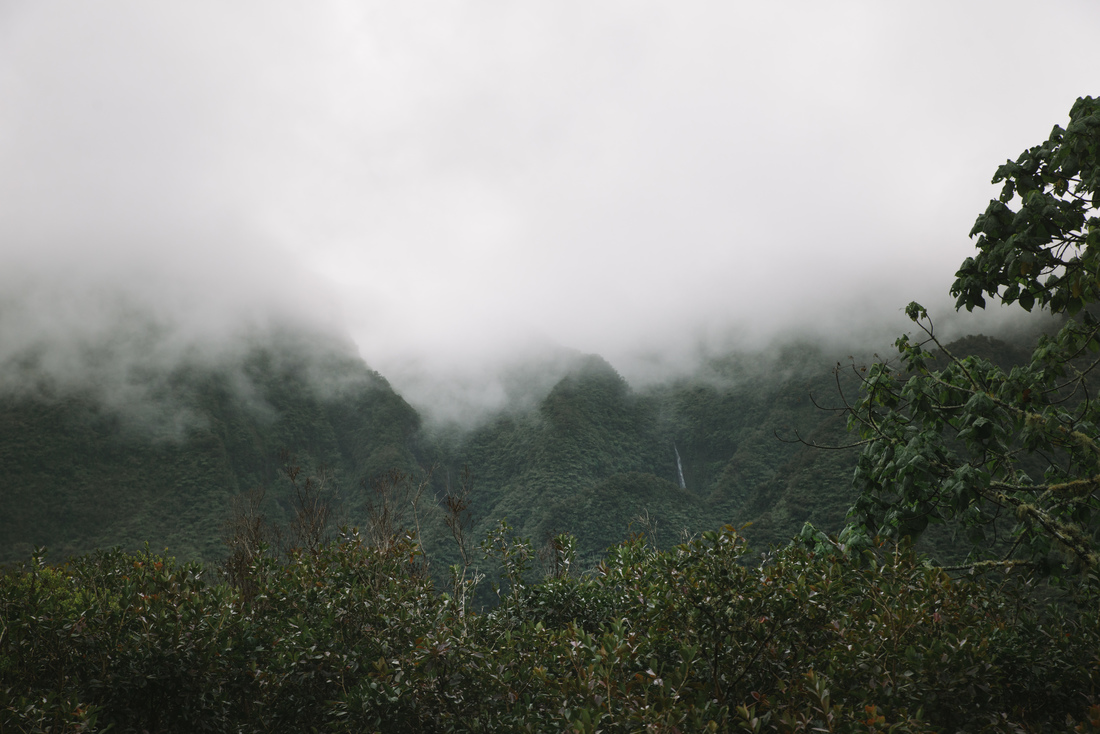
(353, 637)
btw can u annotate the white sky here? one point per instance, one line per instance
(456, 182)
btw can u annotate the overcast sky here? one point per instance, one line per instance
(453, 183)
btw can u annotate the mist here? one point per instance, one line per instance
(460, 190)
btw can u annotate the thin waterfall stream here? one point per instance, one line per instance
(679, 467)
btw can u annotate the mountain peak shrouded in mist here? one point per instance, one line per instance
(591, 371)
(123, 327)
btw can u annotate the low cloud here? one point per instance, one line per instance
(461, 189)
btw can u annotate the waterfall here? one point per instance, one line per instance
(679, 467)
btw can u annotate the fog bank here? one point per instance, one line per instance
(461, 188)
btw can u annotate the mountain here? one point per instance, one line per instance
(601, 460)
(592, 455)
(80, 473)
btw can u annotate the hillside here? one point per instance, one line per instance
(600, 460)
(594, 456)
(80, 475)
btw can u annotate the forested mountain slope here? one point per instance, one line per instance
(80, 475)
(594, 456)
(601, 460)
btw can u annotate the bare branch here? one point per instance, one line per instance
(813, 444)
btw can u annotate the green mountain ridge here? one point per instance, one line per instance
(79, 475)
(594, 457)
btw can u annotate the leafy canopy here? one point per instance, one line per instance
(1010, 456)
(1047, 251)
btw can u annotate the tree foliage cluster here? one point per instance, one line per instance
(353, 637)
(1008, 456)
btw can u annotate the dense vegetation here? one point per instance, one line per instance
(1009, 456)
(353, 637)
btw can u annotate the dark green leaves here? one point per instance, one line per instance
(834, 632)
(1007, 457)
(1056, 187)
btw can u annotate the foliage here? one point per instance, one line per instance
(1047, 251)
(1008, 455)
(352, 637)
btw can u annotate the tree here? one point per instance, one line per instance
(1010, 457)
